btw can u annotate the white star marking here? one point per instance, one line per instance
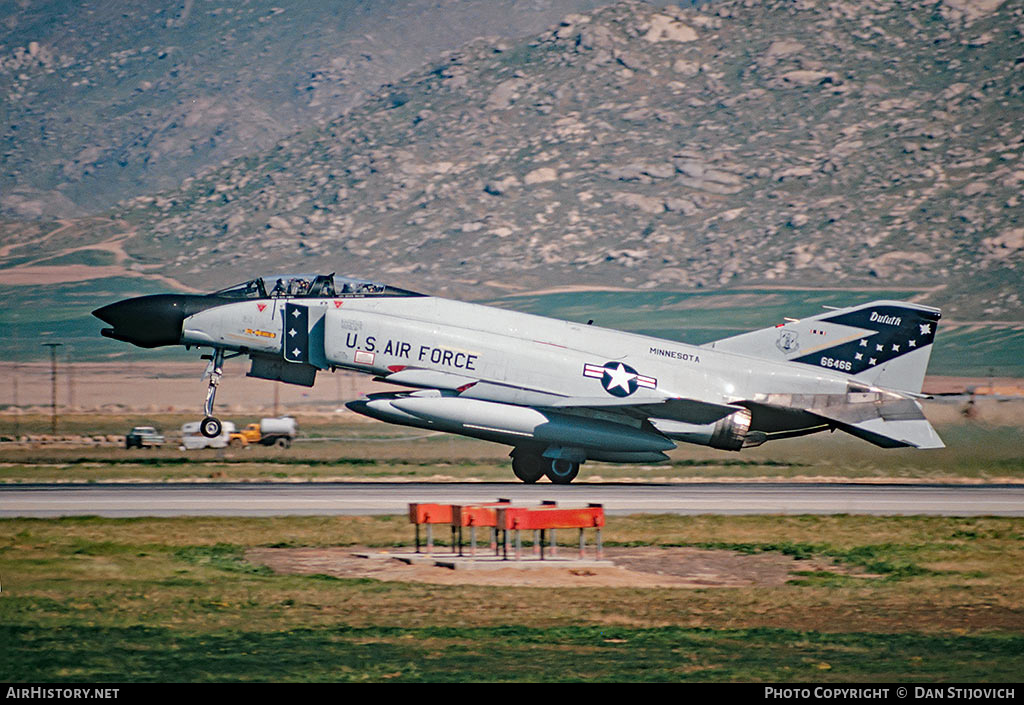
(926, 328)
(296, 313)
(858, 356)
(872, 361)
(620, 377)
(864, 343)
(878, 348)
(295, 352)
(895, 348)
(912, 343)
(293, 332)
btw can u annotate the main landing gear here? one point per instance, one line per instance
(530, 467)
(562, 472)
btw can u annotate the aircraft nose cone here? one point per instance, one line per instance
(146, 321)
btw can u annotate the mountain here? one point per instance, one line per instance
(108, 100)
(780, 143)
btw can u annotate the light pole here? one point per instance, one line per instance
(53, 385)
(17, 406)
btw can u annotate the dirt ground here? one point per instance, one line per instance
(628, 567)
(168, 387)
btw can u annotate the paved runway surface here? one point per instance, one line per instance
(281, 499)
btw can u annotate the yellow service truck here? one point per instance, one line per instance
(278, 432)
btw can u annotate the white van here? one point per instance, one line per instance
(192, 439)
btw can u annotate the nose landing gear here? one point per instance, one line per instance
(211, 426)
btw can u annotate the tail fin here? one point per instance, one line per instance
(882, 343)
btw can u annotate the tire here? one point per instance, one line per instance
(282, 442)
(211, 427)
(235, 443)
(528, 468)
(561, 472)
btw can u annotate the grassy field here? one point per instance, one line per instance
(906, 599)
(340, 447)
(63, 313)
(168, 600)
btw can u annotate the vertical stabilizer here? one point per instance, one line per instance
(882, 343)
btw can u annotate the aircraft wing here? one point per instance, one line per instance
(428, 379)
(692, 411)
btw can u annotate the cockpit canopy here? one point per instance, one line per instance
(309, 286)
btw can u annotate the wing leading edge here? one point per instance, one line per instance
(680, 409)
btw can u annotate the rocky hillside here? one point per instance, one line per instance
(778, 142)
(108, 100)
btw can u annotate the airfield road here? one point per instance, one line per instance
(354, 498)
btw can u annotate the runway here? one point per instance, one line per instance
(352, 498)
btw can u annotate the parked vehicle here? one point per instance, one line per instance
(143, 437)
(193, 439)
(278, 432)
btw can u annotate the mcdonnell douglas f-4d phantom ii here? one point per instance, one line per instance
(559, 393)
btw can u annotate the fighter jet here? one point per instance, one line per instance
(559, 393)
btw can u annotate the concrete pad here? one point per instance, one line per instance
(489, 561)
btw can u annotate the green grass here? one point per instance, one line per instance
(887, 561)
(506, 654)
(63, 313)
(356, 450)
(179, 600)
(92, 258)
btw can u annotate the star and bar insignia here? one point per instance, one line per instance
(618, 378)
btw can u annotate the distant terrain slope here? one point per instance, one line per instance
(769, 145)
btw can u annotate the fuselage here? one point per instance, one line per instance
(382, 336)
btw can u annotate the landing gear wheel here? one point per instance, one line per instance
(561, 472)
(528, 468)
(211, 427)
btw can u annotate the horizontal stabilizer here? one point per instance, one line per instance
(886, 419)
(907, 433)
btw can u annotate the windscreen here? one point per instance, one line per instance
(310, 286)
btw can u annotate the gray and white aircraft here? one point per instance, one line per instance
(559, 393)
